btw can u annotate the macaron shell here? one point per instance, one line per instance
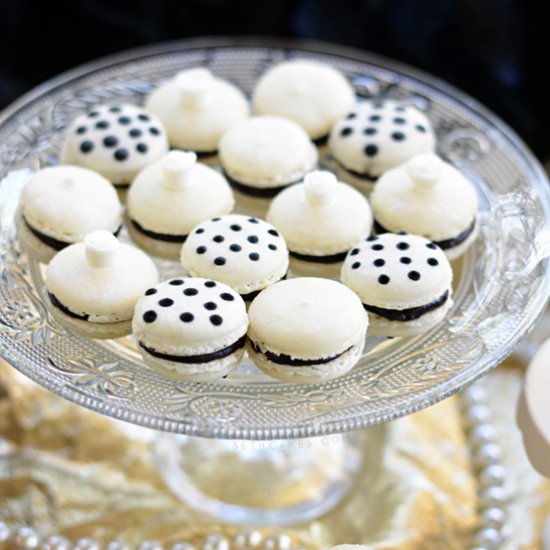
(312, 94)
(68, 202)
(116, 141)
(209, 195)
(307, 318)
(106, 294)
(369, 140)
(321, 230)
(198, 129)
(245, 253)
(186, 316)
(394, 271)
(267, 151)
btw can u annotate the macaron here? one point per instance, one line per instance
(262, 155)
(115, 140)
(427, 196)
(404, 282)
(60, 205)
(197, 108)
(312, 94)
(243, 252)
(378, 135)
(191, 329)
(93, 286)
(170, 197)
(306, 330)
(320, 219)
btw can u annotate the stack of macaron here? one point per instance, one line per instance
(383, 214)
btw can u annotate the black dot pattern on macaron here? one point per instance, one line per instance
(121, 154)
(253, 239)
(216, 320)
(190, 291)
(210, 284)
(377, 247)
(124, 120)
(218, 238)
(166, 302)
(176, 282)
(210, 306)
(405, 260)
(379, 262)
(135, 133)
(432, 246)
(375, 118)
(254, 256)
(201, 249)
(356, 265)
(150, 291)
(115, 109)
(272, 246)
(150, 316)
(253, 220)
(235, 227)
(351, 116)
(371, 150)
(81, 130)
(102, 125)
(227, 297)
(187, 317)
(383, 279)
(346, 131)
(86, 146)
(402, 245)
(199, 230)
(398, 136)
(142, 148)
(354, 252)
(413, 275)
(370, 131)
(144, 118)
(220, 260)
(110, 141)
(432, 261)
(399, 120)
(235, 247)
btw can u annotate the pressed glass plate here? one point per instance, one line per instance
(501, 285)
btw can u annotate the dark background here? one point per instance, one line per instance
(496, 50)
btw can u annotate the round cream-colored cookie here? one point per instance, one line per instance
(170, 197)
(115, 140)
(306, 330)
(60, 205)
(245, 253)
(197, 108)
(263, 154)
(404, 282)
(378, 135)
(312, 94)
(93, 286)
(320, 219)
(427, 197)
(191, 328)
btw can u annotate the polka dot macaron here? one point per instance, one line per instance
(378, 135)
(404, 282)
(115, 140)
(244, 252)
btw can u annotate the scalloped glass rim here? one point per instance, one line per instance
(503, 288)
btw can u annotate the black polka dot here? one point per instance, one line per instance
(398, 136)
(377, 247)
(124, 120)
(145, 118)
(93, 114)
(414, 275)
(432, 246)
(86, 146)
(215, 219)
(220, 260)
(115, 109)
(210, 306)
(102, 125)
(121, 154)
(142, 148)
(399, 120)
(354, 252)
(216, 320)
(371, 150)
(252, 239)
(149, 316)
(81, 130)
(110, 141)
(405, 260)
(253, 220)
(235, 227)
(375, 118)
(383, 279)
(176, 282)
(271, 247)
(346, 131)
(402, 233)
(379, 262)
(235, 248)
(432, 261)
(210, 284)
(227, 297)
(254, 256)
(166, 302)
(372, 238)
(199, 230)
(187, 317)
(154, 131)
(370, 131)
(150, 291)
(420, 128)
(219, 239)
(200, 249)
(273, 232)
(402, 246)
(135, 132)
(351, 115)
(190, 291)
(400, 109)
(356, 265)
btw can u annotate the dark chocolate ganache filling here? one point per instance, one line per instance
(284, 359)
(409, 314)
(251, 295)
(50, 241)
(202, 358)
(159, 236)
(65, 309)
(359, 175)
(121, 186)
(444, 245)
(328, 259)
(262, 192)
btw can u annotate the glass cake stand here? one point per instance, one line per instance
(276, 434)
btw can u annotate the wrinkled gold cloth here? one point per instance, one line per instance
(70, 471)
